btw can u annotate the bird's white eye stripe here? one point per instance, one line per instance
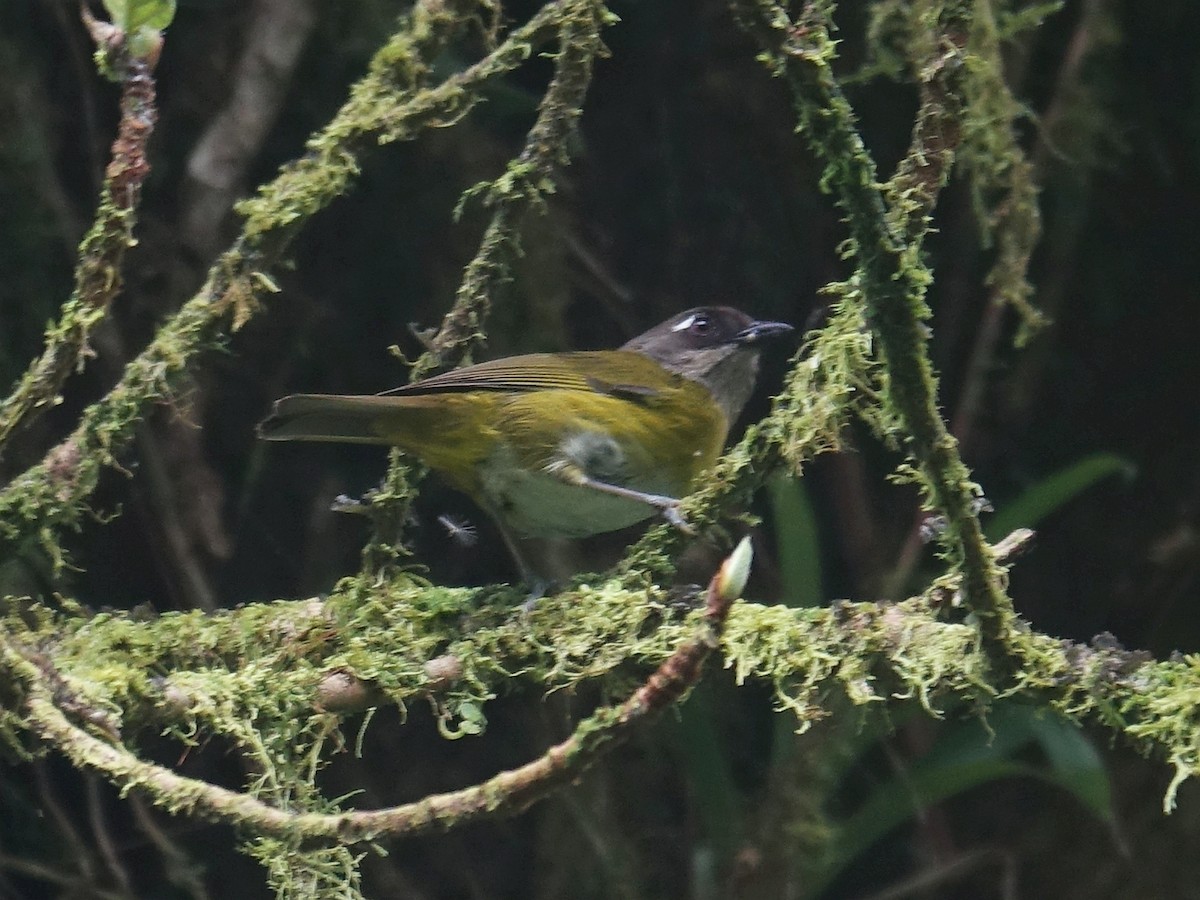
(685, 324)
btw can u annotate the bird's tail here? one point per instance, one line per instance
(328, 417)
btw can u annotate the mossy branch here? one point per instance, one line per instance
(833, 375)
(872, 652)
(98, 277)
(938, 37)
(525, 184)
(837, 373)
(1001, 174)
(385, 106)
(892, 279)
(507, 793)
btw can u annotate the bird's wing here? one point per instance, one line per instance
(621, 373)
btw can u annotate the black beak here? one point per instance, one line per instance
(757, 332)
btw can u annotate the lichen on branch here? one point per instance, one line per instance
(98, 275)
(893, 279)
(386, 106)
(873, 653)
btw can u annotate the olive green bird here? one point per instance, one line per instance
(563, 444)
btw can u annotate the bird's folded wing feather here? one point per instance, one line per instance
(605, 372)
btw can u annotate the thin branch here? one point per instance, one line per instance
(72, 884)
(829, 379)
(1002, 176)
(892, 279)
(98, 277)
(940, 70)
(51, 495)
(822, 388)
(525, 185)
(101, 834)
(181, 870)
(65, 823)
(998, 167)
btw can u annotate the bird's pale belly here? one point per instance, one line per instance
(539, 503)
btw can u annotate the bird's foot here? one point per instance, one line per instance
(673, 517)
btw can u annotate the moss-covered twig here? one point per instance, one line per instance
(874, 653)
(507, 793)
(383, 107)
(834, 374)
(524, 185)
(1001, 174)
(892, 279)
(838, 367)
(939, 36)
(98, 277)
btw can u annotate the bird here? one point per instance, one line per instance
(569, 444)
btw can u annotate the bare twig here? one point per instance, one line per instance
(64, 822)
(181, 870)
(47, 873)
(966, 863)
(103, 838)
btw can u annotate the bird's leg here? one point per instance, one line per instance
(668, 507)
(591, 459)
(541, 578)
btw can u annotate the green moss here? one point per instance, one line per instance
(833, 375)
(255, 675)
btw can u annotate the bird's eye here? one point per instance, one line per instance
(701, 323)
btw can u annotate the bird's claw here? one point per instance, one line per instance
(676, 519)
(538, 588)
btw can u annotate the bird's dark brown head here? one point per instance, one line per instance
(714, 345)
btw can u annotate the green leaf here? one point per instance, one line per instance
(1054, 492)
(967, 754)
(898, 800)
(707, 770)
(1075, 765)
(796, 540)
(131, 16)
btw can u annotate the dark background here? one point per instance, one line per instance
(689, 186)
